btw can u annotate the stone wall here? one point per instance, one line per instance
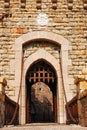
(69, 19)
(34, 46)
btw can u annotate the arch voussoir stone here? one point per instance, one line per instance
(18, 47)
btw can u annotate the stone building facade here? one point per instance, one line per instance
(47, 33)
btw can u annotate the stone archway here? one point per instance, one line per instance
(41, 94)
(41, 54)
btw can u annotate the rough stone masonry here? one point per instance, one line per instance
(67, 18)
(68, 22)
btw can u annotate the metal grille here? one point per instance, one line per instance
(41, 72)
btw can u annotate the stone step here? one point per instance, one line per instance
(44, 127)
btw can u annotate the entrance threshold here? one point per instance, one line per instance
(41, 124)
(44, 126)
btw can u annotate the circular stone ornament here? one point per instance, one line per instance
(42, 19)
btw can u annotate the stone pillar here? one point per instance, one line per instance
(2, 101)
(81, 83)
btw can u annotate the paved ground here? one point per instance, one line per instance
(47, 126)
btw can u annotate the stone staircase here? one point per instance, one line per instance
(46, 126)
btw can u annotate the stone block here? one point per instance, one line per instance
(6, 5)
(11, 93)
(84, 71)
(83, 85)
(23, 5)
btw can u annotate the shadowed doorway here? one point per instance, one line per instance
(41, 96)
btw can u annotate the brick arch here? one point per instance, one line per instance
(25, 38)
(18, 46)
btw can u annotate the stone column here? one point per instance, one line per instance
(81, 83)
(2, 101)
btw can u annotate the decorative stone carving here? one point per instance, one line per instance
(42, 19)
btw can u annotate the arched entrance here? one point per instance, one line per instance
(41, 99)
(41, 53)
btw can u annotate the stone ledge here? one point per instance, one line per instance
(45, 126)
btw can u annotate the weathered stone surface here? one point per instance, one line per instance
(47, 126)
(69, 19)
(81, 83)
